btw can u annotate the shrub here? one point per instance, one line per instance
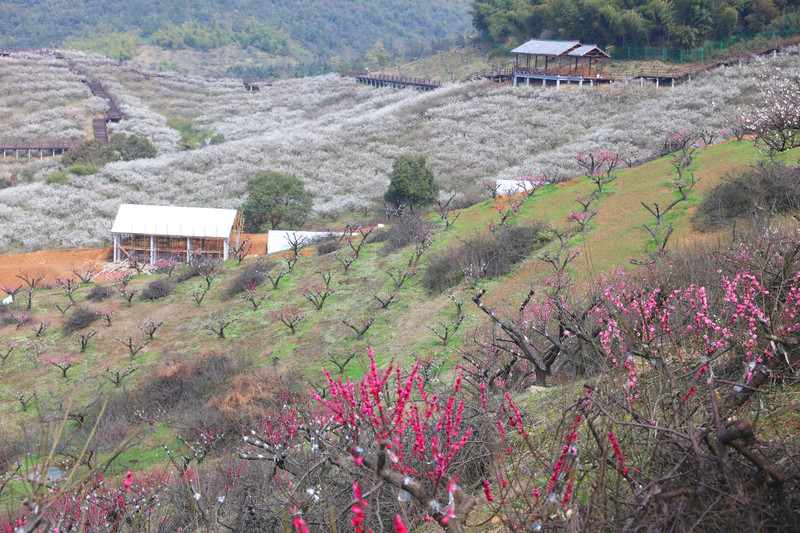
(6, 316)
(59, 177)
(251, 393)
(187, 273)
(99, 293)
(121, 147)
(444, 270)
(379, 235)
(181, 385)
(157, 289)
(124, 147)
(83, 169)
(87, 152)
(487, 256)
(250, 277)
(407, 230)
(763, 190)
(83, 317)
(217, 138)
(328, 245)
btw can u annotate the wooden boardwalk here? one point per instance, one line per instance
(100, 130)
(53, 148)
(113, 114)
(396, 82)
(35, 149)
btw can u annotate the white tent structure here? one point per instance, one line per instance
(150, 233)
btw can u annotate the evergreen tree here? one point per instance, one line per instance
(274, 199)
(412, 182)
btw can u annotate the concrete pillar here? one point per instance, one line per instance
(544, 82)
(225, 250)
(673, 82)
(116, 247)
(528, 81)
(152, 250)
(558, 83)
(515, 84)
(657, 82)
(580, 83)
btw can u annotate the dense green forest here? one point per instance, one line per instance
(322, 30)
(681, 23)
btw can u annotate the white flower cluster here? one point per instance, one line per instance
(42, 99)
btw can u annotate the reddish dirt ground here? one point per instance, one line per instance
(258, 242)
(51, 263)
(55, 263)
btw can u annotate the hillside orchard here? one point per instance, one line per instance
(339, 138)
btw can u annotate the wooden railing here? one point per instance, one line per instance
(391, 79)
(44, 145)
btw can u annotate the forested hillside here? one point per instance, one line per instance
(681, 23)
(336, 28)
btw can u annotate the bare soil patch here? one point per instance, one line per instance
(51, 263)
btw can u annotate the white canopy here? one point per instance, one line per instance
(174, 221)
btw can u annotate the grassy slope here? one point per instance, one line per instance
(399, 331)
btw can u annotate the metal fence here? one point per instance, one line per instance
(708, 50)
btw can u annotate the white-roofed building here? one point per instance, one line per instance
(150, 233)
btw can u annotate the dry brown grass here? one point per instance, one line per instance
(250, 394)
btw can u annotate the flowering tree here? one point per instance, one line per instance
(599, 166)
(389, 423)
(776, 122)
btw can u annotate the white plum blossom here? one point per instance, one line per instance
(340, 138)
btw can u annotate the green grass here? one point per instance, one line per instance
(399, 332)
